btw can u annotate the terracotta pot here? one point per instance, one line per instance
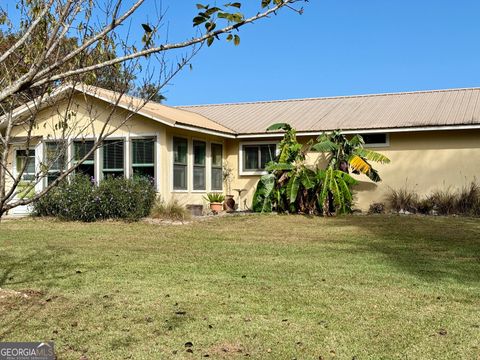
(216, 207)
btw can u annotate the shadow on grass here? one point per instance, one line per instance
(30, 270)
(431, 248)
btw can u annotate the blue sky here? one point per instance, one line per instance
(337, 47)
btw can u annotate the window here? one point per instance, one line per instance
(376, 139)
(80, 149)
(113, 158)
(28, 157)
(180, 149)
(143, 157)
(255, 157)
(55, 157)
(217, 172)
(199, 170)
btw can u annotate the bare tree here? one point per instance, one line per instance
(51, 49)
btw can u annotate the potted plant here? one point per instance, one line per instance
(216, 201)
(227, 171)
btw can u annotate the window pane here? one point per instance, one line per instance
(26, 156)
(199, 149)
(180, 151)
(55, 156)
(80, 149)
(179, 177)
(250, 156)
(113, 155)
(199, 178)
(217, 179)
(113, 174)
(217, 155)
(143, 151)
(267, 154)
(146, 171)
(380, 138)
(86, 169)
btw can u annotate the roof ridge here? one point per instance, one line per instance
(329, 98)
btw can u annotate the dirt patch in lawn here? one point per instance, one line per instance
(6, 294)
(226, 350)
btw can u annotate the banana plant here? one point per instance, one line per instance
(289, 182)
(341, 150)
(337, 183)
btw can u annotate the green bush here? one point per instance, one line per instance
(115, 198)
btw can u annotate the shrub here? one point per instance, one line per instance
(444, 201)
(402, 199)
(468, 200)
(426, 206)
(377, 208)
(171, 210)
(129, 199)
(80, 200)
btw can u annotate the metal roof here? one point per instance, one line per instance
(435, 108)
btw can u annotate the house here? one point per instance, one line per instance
(431, 137)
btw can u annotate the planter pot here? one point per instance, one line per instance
(216, 207)
(229, 204)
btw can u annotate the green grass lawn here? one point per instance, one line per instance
(263, 287)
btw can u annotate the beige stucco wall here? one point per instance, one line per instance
(422, 161)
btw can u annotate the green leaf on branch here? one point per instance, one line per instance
(265, 3)
(147, 28)
(236, 40)
(197, 20)
(235, 4)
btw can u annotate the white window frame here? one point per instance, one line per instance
(243, 172)
(378, 145)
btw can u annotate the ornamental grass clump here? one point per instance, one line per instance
(171, 210)
(79, 199)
